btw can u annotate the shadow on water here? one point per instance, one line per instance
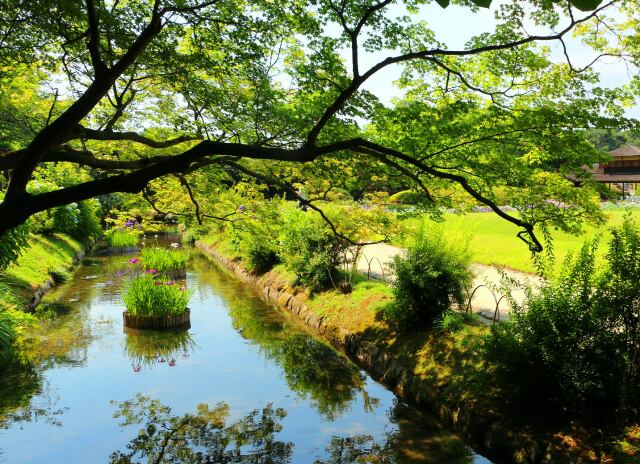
(278, 394)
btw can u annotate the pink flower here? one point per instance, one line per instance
(151, 271)
(182, 289)
(134, 260)
(170, 282)
(157, 283)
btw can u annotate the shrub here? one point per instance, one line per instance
(121, 238)
(408, 197)
(163, 260)
(256, 241)
(146, 296)
(78, 220)
(60, 274)
(572, 345)
(12, 243)
(309, 249)
(260, 256)
(434, 273)
(7, 334)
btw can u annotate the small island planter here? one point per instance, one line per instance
(113, 251)
(170, 321)
(176, 274)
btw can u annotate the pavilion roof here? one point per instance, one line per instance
(626, 150)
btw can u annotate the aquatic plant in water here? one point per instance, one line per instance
(163, 260)
(122, 238)
(145, 295)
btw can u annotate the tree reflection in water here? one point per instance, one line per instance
(208, 437)
(311, 368)
(200, 438)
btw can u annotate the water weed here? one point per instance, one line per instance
(163, 260)
(117, 238)
(145, 295)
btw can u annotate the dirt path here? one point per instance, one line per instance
(375, 259)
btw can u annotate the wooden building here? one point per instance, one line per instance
(623, 171)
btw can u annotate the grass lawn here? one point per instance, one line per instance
(493, 240)
(44, 256)
(356, 311)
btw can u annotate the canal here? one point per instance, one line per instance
(244, 384)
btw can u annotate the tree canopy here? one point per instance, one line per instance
(130, 96)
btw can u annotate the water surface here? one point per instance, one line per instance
(244, 384)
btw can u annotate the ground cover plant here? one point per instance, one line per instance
(147, 295)
(163, 260)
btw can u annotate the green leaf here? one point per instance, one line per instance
(482, 3)
(586, 5)
(443, 3)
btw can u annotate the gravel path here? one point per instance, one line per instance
(374, 261)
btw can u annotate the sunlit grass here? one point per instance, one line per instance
(44, 256)
(354, 311)
(494, 241)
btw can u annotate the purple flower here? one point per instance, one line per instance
(157, 283)
(134, 260)
(170, 282)
(151, 271)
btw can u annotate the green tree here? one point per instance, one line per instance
(148, 89)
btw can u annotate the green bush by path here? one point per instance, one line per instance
(573, 345)
(256, 240)
(494, 241)
(163, 260)
(432, 274)
(147, 296)
(408, 197)
(309, 249)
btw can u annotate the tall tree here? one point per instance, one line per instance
(239, 87)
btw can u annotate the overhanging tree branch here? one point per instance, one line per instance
(357, 81)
